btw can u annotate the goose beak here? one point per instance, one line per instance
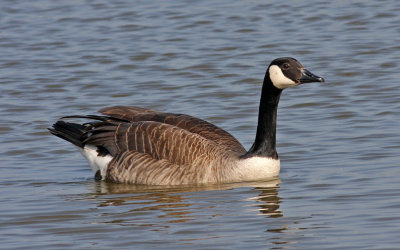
(307, 76)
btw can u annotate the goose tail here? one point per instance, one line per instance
(98, 157)
(71, 132)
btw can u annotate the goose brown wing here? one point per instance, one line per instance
(149, 152)
(186, 122)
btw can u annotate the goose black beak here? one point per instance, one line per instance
(307, 76)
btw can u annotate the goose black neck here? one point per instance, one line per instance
(265, 142)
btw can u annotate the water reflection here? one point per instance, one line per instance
(180, 204)
(269, 202)
(104, 188)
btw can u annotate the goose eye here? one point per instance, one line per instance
(285, 66)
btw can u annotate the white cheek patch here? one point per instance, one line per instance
(278, 79)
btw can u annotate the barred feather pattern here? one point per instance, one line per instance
(186, 122)
(149, 152)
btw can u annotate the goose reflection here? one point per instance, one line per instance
(179, 204)
(269, 202)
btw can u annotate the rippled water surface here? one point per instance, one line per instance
(338, 141)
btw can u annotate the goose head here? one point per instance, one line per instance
(287, 72)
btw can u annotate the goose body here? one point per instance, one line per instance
(143, 146)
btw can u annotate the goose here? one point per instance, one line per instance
(142, 146)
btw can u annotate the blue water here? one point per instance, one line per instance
(338, 141)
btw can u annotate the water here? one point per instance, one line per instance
(338, 141)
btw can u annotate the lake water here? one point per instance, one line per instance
(339, 142)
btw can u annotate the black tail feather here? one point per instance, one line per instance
(78, 134)
(97, 117)
(72, 132)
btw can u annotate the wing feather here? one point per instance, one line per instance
(149, 152)
(186, 122)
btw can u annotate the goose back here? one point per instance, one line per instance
(186, 122)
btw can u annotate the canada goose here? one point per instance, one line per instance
(142, 146)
